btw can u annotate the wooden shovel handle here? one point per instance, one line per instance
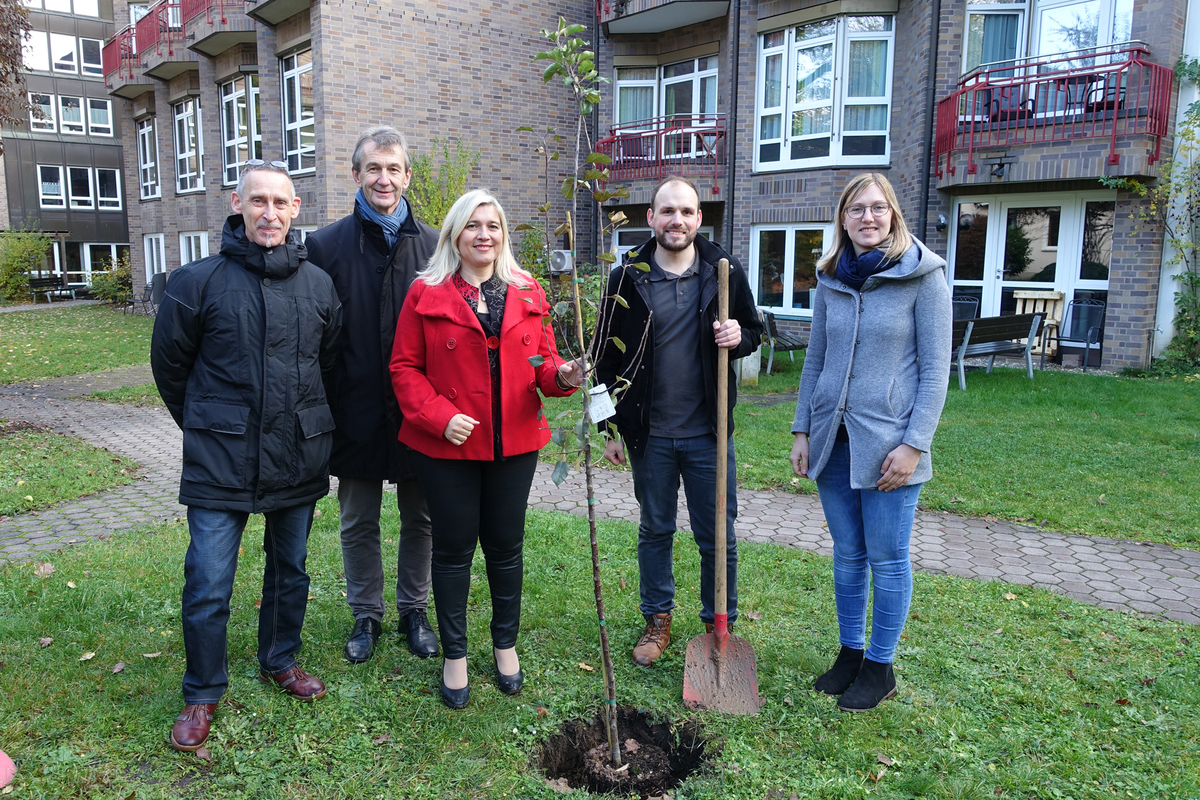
(720, 599)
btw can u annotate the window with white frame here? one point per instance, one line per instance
(79, 185)
(100, 121)
(154, 246)
(304, 230)
(684, 91)
(87, 8)
(42, 116)
(59, 6)
(193, 245)
(299, 124)
(189, 146)
(1000, 30)
(783, 268)
(50, 187)
(108, 188)
(70, 114)
(240, 127)
(62, 53)
(824, 93)
(147, 148)
(35, 54)
(90, 61)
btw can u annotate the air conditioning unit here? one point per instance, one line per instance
(561, 262)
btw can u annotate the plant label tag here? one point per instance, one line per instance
(601, 406)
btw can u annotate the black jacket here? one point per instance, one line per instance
(240, 343)
(632, 323)
(371, 283)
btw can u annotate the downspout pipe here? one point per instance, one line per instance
(930, 109)
(735, 52)
(597, 237)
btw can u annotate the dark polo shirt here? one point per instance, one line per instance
(677, 407)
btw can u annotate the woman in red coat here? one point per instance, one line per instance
(463, 377)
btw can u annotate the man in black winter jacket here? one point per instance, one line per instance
(666, 320)
(241, 343)
(373, 255)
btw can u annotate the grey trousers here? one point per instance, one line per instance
(362, 557)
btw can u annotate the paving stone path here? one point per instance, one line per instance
(1111, 573)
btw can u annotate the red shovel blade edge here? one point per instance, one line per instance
(721, 678)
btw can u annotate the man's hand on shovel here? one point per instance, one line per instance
(728, 333)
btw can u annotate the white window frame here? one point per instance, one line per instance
(79, 128)
(105, 203)
(85, 256)
(63, 67)
(96, 129)
(78, 201)
(842, 41)
(35, 53)
(50, 123)
(193, 245)
(45, 200)
(292, 72)
(87, 8)
(786, 310)
(242, 96)
(58, 6)
(189, 154)
(149, 181)
(94, 68)
(154, 247)
(622, 84)
(304, 230)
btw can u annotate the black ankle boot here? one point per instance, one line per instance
(875, 684)
(842, 673)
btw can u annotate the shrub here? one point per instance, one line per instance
(116, 285)
(21, 252)
(434, 188)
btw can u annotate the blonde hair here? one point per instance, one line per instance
(445, 260)
(898, 240)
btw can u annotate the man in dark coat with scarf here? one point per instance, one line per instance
(373, 255)
(242, 343)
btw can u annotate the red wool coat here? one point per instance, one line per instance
(440, 368)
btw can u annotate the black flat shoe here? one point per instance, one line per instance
(422, 641)
(362, 640)
(509, 684)
(456, 698)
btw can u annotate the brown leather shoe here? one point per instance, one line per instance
(191, 727)
(295, 682)
(654, 641)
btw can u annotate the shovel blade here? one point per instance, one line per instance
(721, 676)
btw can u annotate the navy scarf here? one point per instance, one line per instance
(390, 223)
(854, 270)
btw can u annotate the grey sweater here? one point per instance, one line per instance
(879, 362)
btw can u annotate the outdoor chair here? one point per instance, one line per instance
(778, 341)
(964, 306)
(1004, 104)
(153, 293)
(1084, 324)
(141, 303)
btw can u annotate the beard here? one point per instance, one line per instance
(666, 244)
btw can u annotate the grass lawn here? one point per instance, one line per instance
(144, 394)
(39, 468)
(70, 341)
(1034, 696)
(1092, 454)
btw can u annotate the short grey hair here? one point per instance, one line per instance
(278, 167)
(385, 137)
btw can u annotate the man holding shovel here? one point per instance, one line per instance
(665, 374)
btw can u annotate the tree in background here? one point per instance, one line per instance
(14, 102)
(21, 252)
(435, 186)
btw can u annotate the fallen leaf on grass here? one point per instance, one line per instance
(754, 615)
(1148, 681)
(559, 785)
(1009, 596)
(71, 585)
(876, 776)
(87, 656)
(380, 739)
(1123, 701)
(258, 603)
(44, 569)
(151, 655)
(542, 711)
(882, 759)
(118, 667)
(46, 641)
(204, 755)
(1071, 675)
(585, 666)
(622, 582)
(311, 596)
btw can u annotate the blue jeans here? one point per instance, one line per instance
(871, 529)
(208, 571)
(656, 475)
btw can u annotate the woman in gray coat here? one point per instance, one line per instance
(871, 393)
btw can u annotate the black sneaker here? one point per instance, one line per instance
(422, 641)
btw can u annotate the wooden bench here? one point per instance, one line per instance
(56, 284)
(993, 336)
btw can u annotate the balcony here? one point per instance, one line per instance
(651, 149)
(122, 68)
(1021, 111)
(214, 26)
(656, 16)
(160, 41)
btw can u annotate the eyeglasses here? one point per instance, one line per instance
(254, 163)
(877, 210)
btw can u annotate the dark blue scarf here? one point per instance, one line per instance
(854, 270)
(390, 223)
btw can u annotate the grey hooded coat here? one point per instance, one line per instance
(879, 362)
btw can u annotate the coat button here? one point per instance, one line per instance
(379, 269)
(453, 394)
(492, 342)
(533, 386)
(266, 281)
(527, 338)
(270, 351)
(451, 344)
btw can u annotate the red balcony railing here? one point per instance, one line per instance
(161, 26)
(190, 9)
(653, 148)
(121, 53)
(1095, 93)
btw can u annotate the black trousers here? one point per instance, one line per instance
(484, 502)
